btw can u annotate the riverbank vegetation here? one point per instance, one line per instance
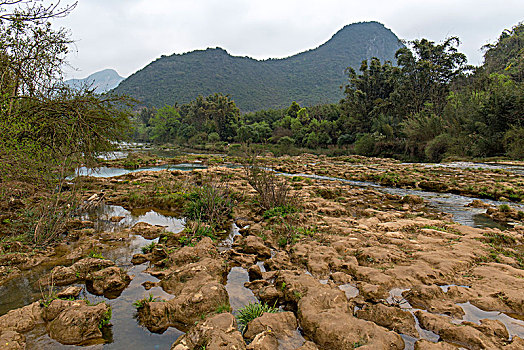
(427, 106)
(46, 129)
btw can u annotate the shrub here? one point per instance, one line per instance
(251, 311)
(365, 145)
(210, 203)
(272, 190)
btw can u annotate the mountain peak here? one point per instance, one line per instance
(310, 77)
(102, 81)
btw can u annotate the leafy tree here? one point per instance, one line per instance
(427, 70)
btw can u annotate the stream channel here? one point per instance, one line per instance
(125, 332)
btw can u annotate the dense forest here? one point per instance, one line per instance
(429, 105)
(310, 77)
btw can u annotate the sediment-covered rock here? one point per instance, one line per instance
(392, 318)
(216, 332)
(79, 271)
(75, 322)
(109, 282)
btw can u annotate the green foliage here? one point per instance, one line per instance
(429, 106)
(148, 248)
(138, 304)
(211, 203)
(106, 318)
(310, 77)
(281, 211)
(250, 312)
(95, 254)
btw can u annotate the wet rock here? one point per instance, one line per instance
(327, 318)
(517, 343)
(281, 324)
(62, 275)
(280, 261)
(255, 273)
(318, 259)
(109, 282)
(148, 285)
(206, 270)
(341, 278)
(69, 292)
(412, 199)
(264, 341)
(269, 294)
(185, 255)
(7, 273)
(372, 292)
(147, 231)
(79, 224)
(139, 259)
(253, 245)
(393, 318)
(23, 319)
(11, 340)
(308, 345)
(216, 332)
(75, 322)
(477, 203)
(195, 299)
(433, 299)
(116, 218)
(241, 258)
(465, 334)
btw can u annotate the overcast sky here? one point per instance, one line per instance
(128, 34)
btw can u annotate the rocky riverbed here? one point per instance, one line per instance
(349, 267)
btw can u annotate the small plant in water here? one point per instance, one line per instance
(148, 248)
(106, 318)
(504, 208)
(142, 302)
(95, 254)
(250, 312)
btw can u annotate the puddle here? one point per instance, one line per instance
(291, 343)
(396, 298)
(227, 243)
(445, 288)
(474, 314)
(239, 296)
(351, 291)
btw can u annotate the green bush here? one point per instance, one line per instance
(365, 145)
(251, 311)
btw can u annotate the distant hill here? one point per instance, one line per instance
(310, 77)
(102, 81)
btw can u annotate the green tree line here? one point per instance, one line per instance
(429, 105)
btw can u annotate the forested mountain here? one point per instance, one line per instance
(102, 81)
(310, 77)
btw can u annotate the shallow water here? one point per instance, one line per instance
(350, 290)
(125, 332)
(239, 296)
(445, 202)
(111, 172)
(473, 314)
